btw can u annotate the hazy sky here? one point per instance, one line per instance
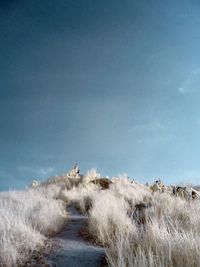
(109, 84)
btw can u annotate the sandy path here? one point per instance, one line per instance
(72, 250)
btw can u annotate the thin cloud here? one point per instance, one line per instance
(39, 172)
(191, 83)
(182, 90)
(148, 127)
(45, 171)
(4, 174)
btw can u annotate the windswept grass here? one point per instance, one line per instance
(170, 236)
(26, 218)
(163, 233)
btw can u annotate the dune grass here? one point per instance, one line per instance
(26, 219)
(170, 236)
(167, 236)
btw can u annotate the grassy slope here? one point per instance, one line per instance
(169, 237)
(26, 219)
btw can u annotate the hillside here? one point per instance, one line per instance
(138, 225)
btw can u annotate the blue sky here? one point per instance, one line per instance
(113, 85)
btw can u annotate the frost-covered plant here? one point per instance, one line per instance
(82, 195)
(26, 218)
(90, 176)
(169, 236)
(108, 213)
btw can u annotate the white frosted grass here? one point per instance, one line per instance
(91, 175)
(170, 237)
(26, 217)
(131, 192)
(107, 214)
(82, 195)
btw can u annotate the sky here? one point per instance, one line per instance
(112, 85)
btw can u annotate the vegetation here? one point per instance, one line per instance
(26, 219)
(137, 225)
(140, 227)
